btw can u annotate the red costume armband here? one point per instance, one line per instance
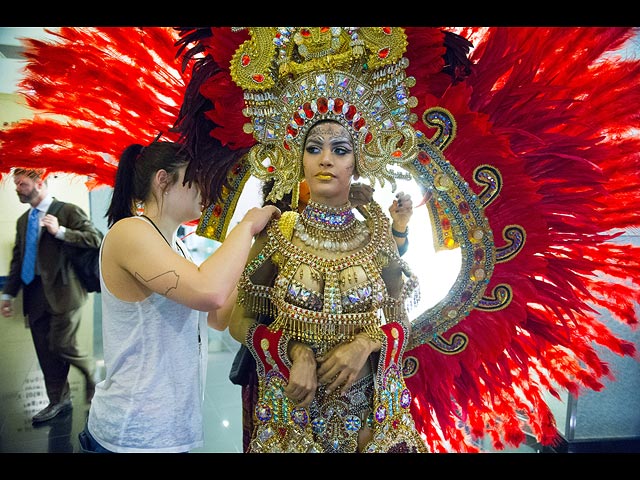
(394, 429)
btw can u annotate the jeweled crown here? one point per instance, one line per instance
(293, 77)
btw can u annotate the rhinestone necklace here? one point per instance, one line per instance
(330, 228)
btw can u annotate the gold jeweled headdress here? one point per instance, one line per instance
(293, 77)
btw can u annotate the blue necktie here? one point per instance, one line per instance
(30, 247)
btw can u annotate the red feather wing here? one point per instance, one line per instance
(94, 91)
(552, 113)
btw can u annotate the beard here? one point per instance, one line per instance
(27, 197)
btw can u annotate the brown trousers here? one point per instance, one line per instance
(55, 340)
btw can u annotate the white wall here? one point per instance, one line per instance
(10, 66)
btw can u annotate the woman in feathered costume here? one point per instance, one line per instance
(529, 167)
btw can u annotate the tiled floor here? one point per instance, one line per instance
(22, 395)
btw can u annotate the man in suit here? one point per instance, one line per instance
(53, 299)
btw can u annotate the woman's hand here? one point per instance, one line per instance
(360, 194)
(401, 210)
(258, 217)
(303, 380)
(341, 366)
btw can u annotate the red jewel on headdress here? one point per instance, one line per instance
(464, 208)
(298, 119)
(358, 124)
(386, 30)
(337, 105)
(307, 110)
(217, 211)
(323, 105)
(423, 158)
(384, 52)
(397, 154)
(446, 224)
(271, 169)
(258, 78)
(368, 137)
(350, 113)
(245, 60)
(305, 32)
(291, 131)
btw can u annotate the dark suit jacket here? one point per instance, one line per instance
(61, 286)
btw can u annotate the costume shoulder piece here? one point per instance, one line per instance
(286, 223)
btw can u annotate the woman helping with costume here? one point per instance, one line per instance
(154, 299)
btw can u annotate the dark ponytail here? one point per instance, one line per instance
(136, 169)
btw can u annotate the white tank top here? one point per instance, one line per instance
(155, 354)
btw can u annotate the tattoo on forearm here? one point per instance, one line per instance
(165, 282)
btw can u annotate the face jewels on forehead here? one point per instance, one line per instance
(324, 132)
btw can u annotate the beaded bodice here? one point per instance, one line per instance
(330, 286)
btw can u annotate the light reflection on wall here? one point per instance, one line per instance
(436, 271)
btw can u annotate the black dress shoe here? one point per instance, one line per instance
(51, 411)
